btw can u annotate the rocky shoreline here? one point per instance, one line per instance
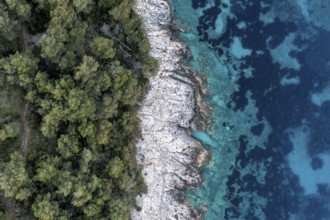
(168, 155)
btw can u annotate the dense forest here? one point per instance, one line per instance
(72, 73)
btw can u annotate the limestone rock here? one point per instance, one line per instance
(166, 152)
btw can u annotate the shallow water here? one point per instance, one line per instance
(267, 65)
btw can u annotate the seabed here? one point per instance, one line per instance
(268, 82)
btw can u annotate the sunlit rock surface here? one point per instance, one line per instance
(166, 152)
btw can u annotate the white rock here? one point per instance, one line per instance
(166, 150)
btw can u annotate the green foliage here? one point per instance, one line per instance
(62, 13)
(9, 130)
(19, 68)
(150, 66)
(82, 5)
(53, 43)
(108, 3)
(42, 83)
(86, 157)
(21, 7)
(82, 87)
(121, 11)
(68, 145)
(136, 36)
(46, 209)
(116, 167)
(86, 69)
(65, 183)
(47, 169)
(14, 179)
(103, 47)
(92, 210)
(118, 209)
(7, 24)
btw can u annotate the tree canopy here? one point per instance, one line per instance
(68, 133)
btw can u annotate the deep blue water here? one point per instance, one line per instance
(267, 65)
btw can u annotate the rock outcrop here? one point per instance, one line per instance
(166, 152)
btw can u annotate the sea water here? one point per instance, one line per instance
(268, 78)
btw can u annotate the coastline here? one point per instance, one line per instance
(171, 109)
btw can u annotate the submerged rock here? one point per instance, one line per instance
(167, 153)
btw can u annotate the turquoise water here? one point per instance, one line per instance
(267, 65)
